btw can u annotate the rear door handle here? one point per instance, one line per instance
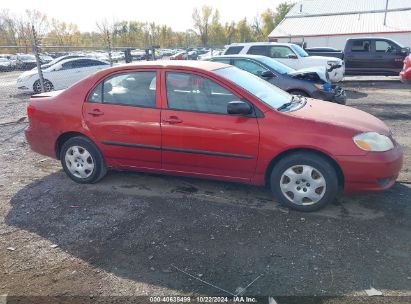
(173, 120)
(96, 112)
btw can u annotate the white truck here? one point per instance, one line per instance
(291, 55)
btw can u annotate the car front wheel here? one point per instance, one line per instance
(82, 161)
(48, 86)
(304, 181)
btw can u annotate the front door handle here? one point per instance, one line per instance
(96, 112)
(173, 120)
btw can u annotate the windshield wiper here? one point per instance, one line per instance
(294, 99)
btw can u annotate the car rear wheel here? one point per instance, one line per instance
(299, 93)
(304, 181)
(82, 160)
(48, 86)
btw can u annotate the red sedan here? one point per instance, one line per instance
(179, 56)
(212, 120)
(405, 73)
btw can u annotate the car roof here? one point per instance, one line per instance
(260, 43)
(370, 38)
(204, 65)
(241, 56)
(79, 58)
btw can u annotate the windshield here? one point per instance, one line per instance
(263, 90)
(300, 51)
(275, 65)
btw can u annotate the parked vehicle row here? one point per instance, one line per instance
(10, 62)
(246, 129)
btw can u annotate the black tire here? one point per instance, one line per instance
(48, 86)
(99, 170)
(299, 93)
(296, 161)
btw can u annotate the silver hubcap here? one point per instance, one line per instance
(47, 86)
(79, 162)
(303, 185)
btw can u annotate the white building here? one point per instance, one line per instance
(330, 22)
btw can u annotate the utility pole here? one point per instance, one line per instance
(37, 55)
(385, 14)
(110, 58)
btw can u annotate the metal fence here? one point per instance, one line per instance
(50, 67)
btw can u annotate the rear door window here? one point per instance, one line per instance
(361, 46)
(129, 89)
(258, 50)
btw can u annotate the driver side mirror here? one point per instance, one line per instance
(404, 50)
(267, 74)
(58, 68)
(292, 56)
(239, 108)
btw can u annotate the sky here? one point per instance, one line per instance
(174, 13)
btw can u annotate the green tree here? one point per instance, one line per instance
(282, 10)
(267, 18)
(217, 35)
(202, 22)
(244, 31)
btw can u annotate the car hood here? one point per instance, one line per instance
(324, 112)
(324, 58)
(29, 73)
(319, 71)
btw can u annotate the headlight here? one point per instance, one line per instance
(372, 141)
(333, 62)
(326, 87)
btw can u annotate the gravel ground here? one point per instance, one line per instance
(142, 234)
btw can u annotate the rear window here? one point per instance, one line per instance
(233, 50)
(222, 60)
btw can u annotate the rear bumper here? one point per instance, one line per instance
(41, 142)
(375, 171)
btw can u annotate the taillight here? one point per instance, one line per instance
(30, 111)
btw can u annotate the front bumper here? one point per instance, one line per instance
(337, 94)
(375, 171)
(405, 75)
(337, 75)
